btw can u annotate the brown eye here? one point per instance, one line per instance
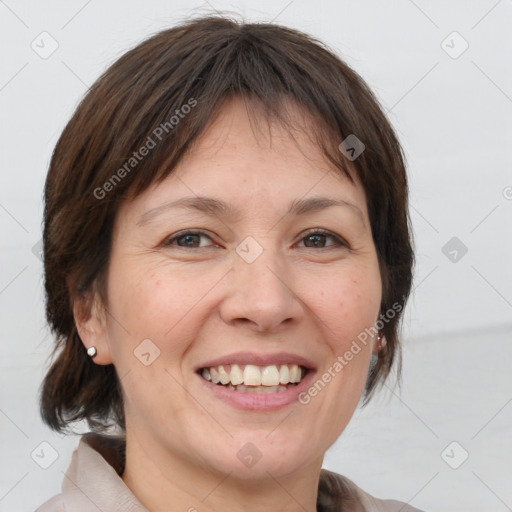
(317, 239)
(186, 239)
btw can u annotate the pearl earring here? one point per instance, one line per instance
(91, 351)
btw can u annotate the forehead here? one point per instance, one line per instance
(249, 162)
(241, 132)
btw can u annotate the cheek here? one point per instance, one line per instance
(154, 302)
(350, 304)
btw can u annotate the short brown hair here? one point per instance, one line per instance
(200, 63)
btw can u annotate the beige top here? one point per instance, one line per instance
(93, 483)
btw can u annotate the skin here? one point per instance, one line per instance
(200, 302)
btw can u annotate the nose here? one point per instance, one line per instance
(261, 295)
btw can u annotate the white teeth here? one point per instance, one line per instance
(237, 376)
(214, 374)
(270, 376)
(284, 374)
(224, 376)
(295, 373)
(258, 390)
(252, 375)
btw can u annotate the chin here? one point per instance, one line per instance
(259, 455)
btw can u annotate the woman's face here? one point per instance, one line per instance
(254, 289)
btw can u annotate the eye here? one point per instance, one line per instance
(316, 237)
(189, 239)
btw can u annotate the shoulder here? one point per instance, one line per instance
(337, 492)
(93, 480)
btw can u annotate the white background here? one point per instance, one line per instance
(453, 116)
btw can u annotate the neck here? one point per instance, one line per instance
(158, 478)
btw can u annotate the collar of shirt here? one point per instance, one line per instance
(93, 483)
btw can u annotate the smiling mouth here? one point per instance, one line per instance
(255, 379)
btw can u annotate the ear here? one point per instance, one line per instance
(91, 323)
(379, 342)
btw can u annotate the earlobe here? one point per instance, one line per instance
(379, 344)
(91, 324)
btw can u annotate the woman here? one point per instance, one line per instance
(227, 257)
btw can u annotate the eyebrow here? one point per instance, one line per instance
(220, 208)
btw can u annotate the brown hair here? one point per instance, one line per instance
(96, 165)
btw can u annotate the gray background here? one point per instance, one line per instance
(452, 109)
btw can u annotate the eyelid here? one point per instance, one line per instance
(171, 238)
(340, 242)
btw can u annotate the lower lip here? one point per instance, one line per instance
(258, 401)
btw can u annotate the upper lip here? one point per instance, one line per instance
(258, 359)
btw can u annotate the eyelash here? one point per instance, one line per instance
(339, 242)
